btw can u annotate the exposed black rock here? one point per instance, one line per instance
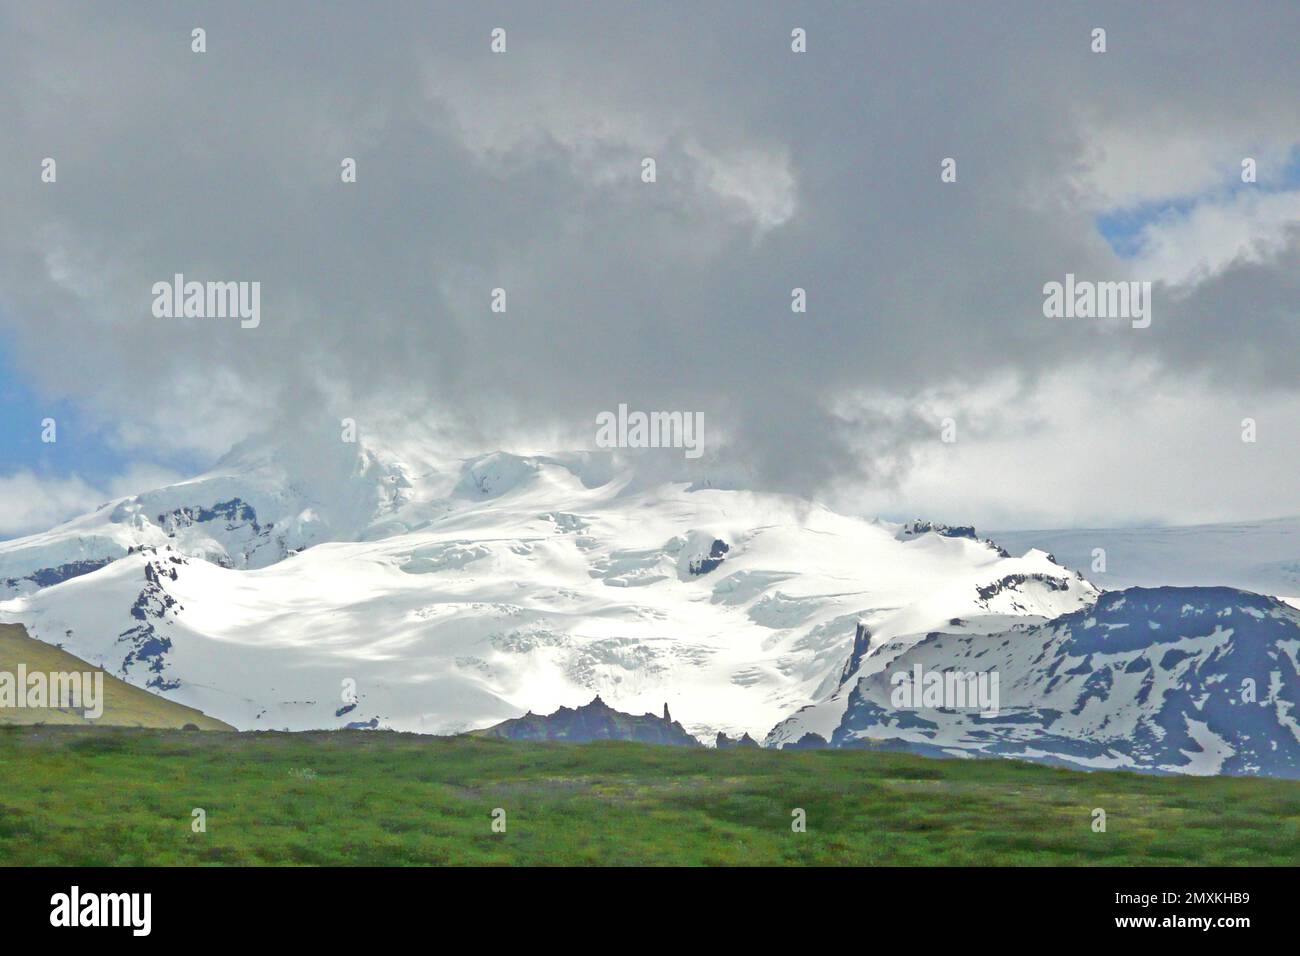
(861, 645)
(147, 646)
(918, 527)
(235, 512)
(45, 577)
(1013, 581)
(914, 529)
(716, 554)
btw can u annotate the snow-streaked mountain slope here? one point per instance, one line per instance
(1185, 680)
(1259, 556)
(259, 504)
(458, 596)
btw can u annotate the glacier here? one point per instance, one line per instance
(310, 583)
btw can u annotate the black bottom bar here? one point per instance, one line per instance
(617, 906)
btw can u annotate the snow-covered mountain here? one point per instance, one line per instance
(261, 503)
(1186, 680)
(453, 595)
(320, 583)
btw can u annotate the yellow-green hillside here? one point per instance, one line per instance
(124, 705)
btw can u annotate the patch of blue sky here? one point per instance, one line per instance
(1123, 227)
(83, 445)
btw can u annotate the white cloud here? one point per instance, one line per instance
(1190, 247)
(1129, 165)
(1094, 446)
(30, 502)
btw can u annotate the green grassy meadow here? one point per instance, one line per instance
(124, 796)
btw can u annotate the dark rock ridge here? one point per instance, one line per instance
(594, 721)
(914, 529)
(1012, 582)
(727, 743)
(918, 527)
(235, 517)
(147, 646)
(47, 577)
(242, 541)
(235, 512)
(861, 645)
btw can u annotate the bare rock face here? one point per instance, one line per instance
(595, 721)
(727, 743)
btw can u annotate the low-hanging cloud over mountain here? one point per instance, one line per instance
(775, 170)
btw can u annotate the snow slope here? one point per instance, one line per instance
(453, 595)
(1259, 556)
(258, 505)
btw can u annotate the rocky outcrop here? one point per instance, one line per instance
(594, 721)
(914, 529)
(861, 647)
(717, 553)
(727, 743)
(148, 647)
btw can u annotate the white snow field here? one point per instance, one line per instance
(455, 595)
(1259, 556)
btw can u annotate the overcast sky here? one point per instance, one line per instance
(775, 170)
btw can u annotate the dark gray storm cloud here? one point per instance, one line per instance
(522, 171)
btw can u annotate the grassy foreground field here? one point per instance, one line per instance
(117, 797)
